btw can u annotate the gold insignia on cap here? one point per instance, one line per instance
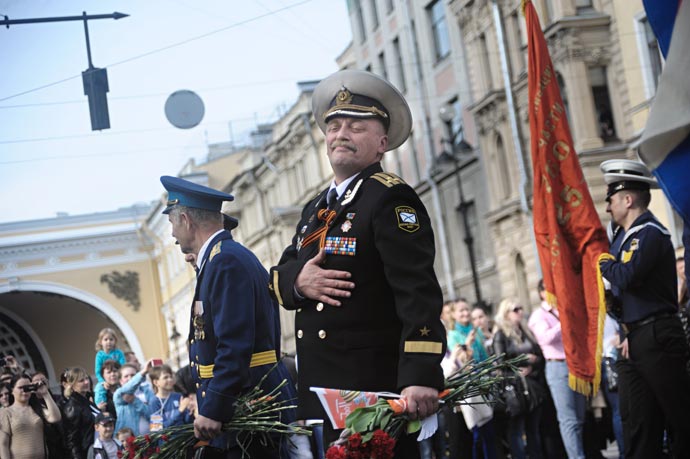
(173, 202)
(343, 97)
(424, 331)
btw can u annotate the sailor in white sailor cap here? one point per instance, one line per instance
(653, 381)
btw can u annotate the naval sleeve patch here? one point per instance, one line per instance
(407, 219)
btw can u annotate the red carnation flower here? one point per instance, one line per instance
(164, 437)
(354, 441)
(382, 445)
(336, 452)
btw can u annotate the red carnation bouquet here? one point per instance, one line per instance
(257, 415)
(372, 431)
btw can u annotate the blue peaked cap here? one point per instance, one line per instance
(185, 193)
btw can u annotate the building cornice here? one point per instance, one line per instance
(54, 265)
(134, 213)
(71, 247)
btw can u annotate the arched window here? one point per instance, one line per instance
(11, 344)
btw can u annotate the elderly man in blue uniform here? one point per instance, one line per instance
(234, 330)
(359, 272)
(654, 386)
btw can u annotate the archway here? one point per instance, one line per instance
(60, 319)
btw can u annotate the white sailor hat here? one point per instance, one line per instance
(361, 94)
(625, 174)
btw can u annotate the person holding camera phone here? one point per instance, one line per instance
(21, 424)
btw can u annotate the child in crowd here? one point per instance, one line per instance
(104, 390)
(104, 447)
(131, 411)
(106, 349)
(123, 434)
(131, 357)
(167, 408)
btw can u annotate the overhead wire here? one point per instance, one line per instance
(167, 47)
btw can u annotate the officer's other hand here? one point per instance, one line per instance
(206, 428)
(623, 348)
(325, 285)
(421, 401)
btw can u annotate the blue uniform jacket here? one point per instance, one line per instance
(643, 274)
(234, 330)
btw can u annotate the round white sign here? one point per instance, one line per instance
(184, 109)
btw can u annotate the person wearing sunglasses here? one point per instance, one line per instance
(514, 339)
(21, 424)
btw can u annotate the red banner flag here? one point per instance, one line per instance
(568, 231)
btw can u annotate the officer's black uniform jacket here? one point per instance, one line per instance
(241, 330)
(388, 334)
(642, 270)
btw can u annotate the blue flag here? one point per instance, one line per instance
(665, 143)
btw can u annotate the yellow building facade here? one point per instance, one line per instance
(64, 279)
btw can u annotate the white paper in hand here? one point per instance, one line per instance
(429, 427)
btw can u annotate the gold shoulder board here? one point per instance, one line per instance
(387, 179)
(215, 250)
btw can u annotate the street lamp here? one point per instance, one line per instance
(458, 146)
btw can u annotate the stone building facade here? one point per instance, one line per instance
(418, 47)
(607, 65)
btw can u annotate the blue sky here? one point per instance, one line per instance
(245, 65)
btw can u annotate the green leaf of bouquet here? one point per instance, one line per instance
(386, 419)
(414, 426)
(367, 436)
(360, 419)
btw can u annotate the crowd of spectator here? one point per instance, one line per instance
(537, 415)
(87, 419)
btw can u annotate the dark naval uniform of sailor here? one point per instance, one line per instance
(387, 335)
(654, 386)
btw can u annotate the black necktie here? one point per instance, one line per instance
(332, 198)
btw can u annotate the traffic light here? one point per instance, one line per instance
(96, 89)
